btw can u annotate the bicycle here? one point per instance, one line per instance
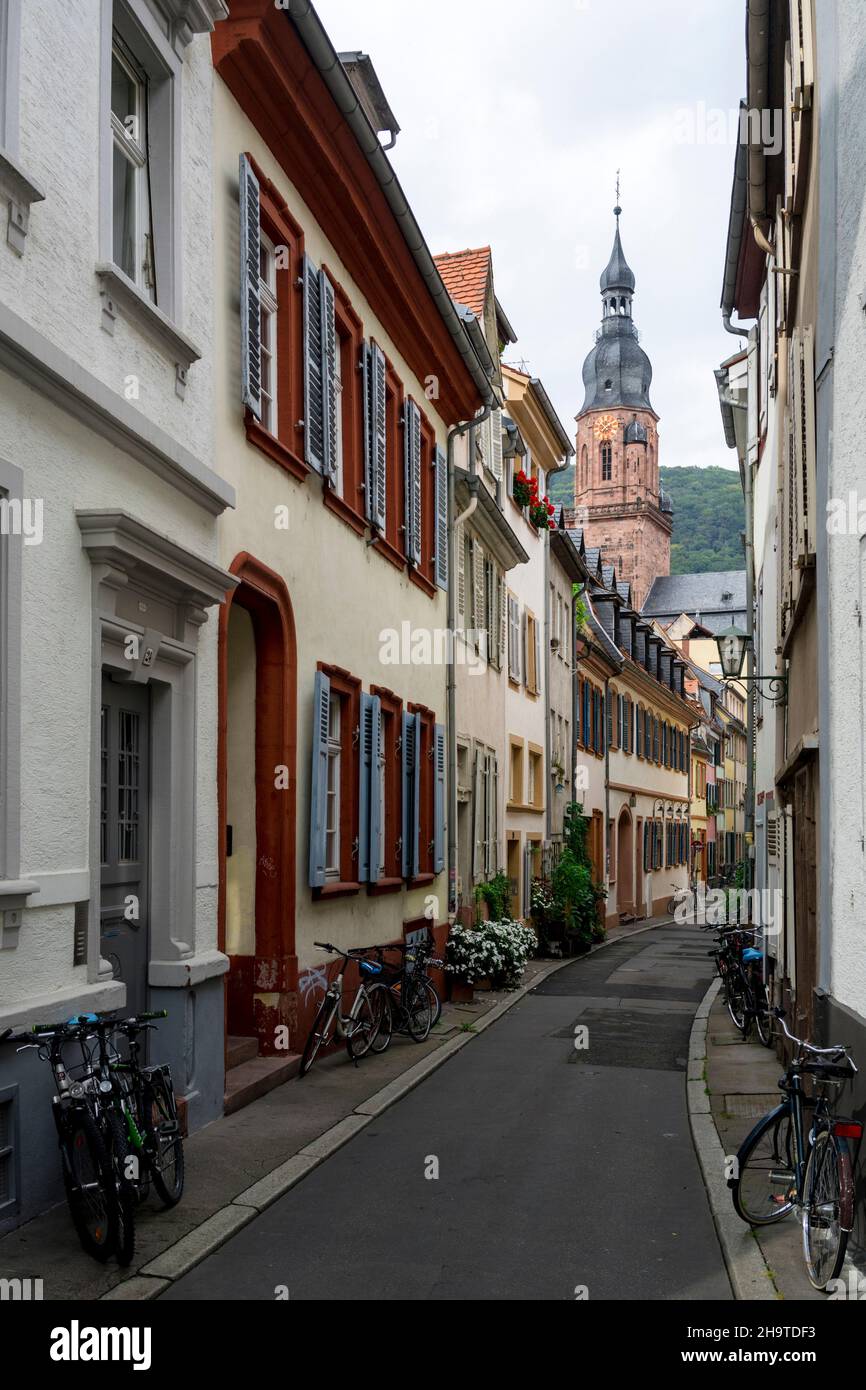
(680, 897)
(413, 1003)
(740, 967)
(90, 1177)
(783, 1166)
(360, 1026)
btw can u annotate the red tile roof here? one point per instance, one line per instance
(466, 275)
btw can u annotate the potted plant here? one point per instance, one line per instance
(494, 951)
(522, 489)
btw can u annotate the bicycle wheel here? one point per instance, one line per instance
(826, 1212)
(764, 1189)
(763, 1016)
(735, 998)
(163, 1140)
(362, 1029)
(318, 1034)
(435, 1002)
(124, 1159)
(380, 1000)
(419, 1011)
(89, 1183)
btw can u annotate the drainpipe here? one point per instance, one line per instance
(749, 546)
(451, 645)
(607, 788)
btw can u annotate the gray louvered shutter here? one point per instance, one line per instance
(477, 591)
(314, 405)
(251, 303)
(412, 481)
(365, 787)
(538, 681)
(411, 788)
(461, 579)
(494, 804)
(439, 798)
(329, 376)
(441, 564)
(377, 828)
(496, 444)
(503, 619)
(375, 457)
(319, 780)
(525, 653)
(477, 816)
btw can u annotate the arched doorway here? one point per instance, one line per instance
(625, 864)
(257, 785)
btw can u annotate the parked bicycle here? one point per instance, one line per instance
(789, 1164)
(113, 1118)
(360, 1026)
(740, 965)
(414, 1006)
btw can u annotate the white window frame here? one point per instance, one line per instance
(129, 134)
(152, 49)
(333, 789)
(268, 332)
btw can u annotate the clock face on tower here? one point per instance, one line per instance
(605, 427)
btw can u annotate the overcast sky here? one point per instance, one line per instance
(514, 119)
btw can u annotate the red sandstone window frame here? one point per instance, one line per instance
(346, 688)
(278, 224)
(427, 791)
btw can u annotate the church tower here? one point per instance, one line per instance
(617, 495)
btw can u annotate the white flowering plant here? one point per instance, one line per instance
(497, 951)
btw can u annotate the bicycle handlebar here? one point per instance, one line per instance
(837, 1052)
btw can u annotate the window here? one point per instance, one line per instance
(513, 638)
(335, 845)
(268, 332)
(140, 171)
(132, 225)
(532, 654)
(332, 817)
(606, 462)
(515, 784)
(536, 778)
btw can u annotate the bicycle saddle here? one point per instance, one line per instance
(751, 953)
(370, 967)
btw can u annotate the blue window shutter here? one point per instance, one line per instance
(251, 303)
(319, 781)
(314, 404)
(416, 800)
(439, 798)
(375, 454)
(377, 764)
(329, 375)
(412, 481)
(366, 798)
(410, 769)
(441, 519)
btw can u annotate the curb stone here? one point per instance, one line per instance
(750, 1276)
(203, 1240)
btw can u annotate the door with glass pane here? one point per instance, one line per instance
(124, 835)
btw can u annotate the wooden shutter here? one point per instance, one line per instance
(461, 579)
(494, 804)
(439, 798)
(525, 648)
(441, 556)
(377, 827)
(251, 303)
(802, 54)
(314, 403)
(503, 617)
(412, 481)
(612, 739)
(496, 444)
(477, 815)
(478, 614)
(537, 686)
(375, 444)
(330, 403)
(804, 387)
(366, 798)
(319, 780)
(411, 769)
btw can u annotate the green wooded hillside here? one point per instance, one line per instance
(709, 514)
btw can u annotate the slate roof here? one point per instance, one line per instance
(701, 596)
(465, 275)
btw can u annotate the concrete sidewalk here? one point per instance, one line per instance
(242, 1151)
(742, 1081)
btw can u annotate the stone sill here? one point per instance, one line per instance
(117, 286)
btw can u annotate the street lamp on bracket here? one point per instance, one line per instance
(733, 644)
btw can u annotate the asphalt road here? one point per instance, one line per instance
(562, 1172)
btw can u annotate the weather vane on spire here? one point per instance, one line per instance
(617, 210)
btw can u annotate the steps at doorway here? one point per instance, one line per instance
(250, 1079)
(240, 1050)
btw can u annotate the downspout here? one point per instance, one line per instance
(607, 788)
(752, 446)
